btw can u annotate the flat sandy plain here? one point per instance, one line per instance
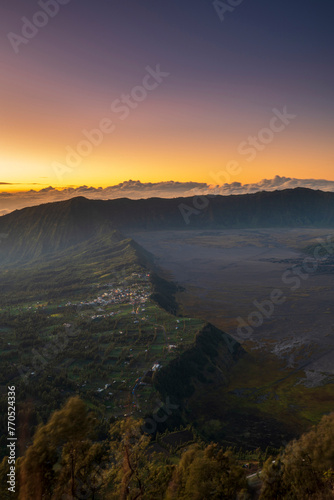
(224, 272)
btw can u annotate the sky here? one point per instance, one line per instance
(170, 96)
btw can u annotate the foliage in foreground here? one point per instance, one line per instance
(65, 461)
(306, 468)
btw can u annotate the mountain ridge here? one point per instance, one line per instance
(48, 229)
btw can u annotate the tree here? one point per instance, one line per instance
(206, 474)
(129, 460)
(304, 470)
(67, 429)
(82, 473)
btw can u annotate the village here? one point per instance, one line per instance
(134, 293)
(130, 339)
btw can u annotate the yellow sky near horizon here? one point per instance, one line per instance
(185, 160)
(181, 135)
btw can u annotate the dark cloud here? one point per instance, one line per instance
(136, 190)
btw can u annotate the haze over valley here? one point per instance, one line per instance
(224, 272)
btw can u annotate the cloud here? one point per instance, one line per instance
(277, 183)
(136, 190)
(20, 183)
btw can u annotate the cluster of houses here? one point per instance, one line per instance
(134, 293)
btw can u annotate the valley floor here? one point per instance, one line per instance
(292, 352)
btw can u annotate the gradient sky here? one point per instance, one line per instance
(225, 79)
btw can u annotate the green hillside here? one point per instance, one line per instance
(95, 320)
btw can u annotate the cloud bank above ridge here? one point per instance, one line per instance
(136, 190)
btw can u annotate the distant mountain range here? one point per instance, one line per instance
(45, 230)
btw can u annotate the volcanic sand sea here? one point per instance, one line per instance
(224, 272)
